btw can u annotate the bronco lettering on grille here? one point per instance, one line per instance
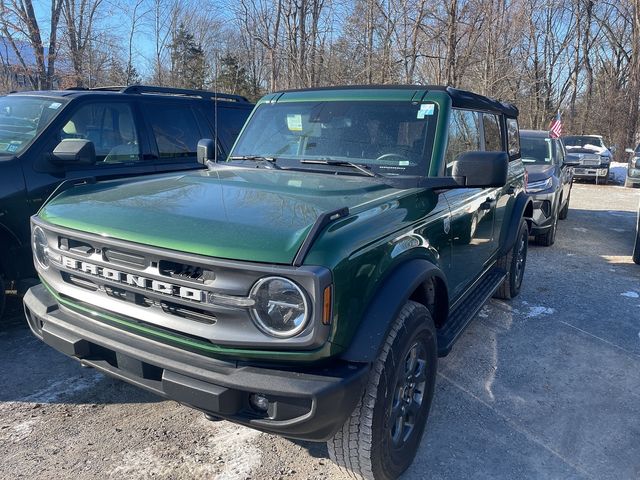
(133, 280)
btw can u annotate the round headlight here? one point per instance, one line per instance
(40, 247)
(281, 308)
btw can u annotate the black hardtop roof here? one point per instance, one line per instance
(138, 90)
(459, 98)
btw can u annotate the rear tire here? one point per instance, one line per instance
(514, 263)
(380, 439)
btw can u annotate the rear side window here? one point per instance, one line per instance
(513, 137)
(175, 130)
(492, 134)
(232, 120)
(464, 135)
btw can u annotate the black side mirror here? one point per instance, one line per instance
(206, 151)
(482, 169)
(78, 151)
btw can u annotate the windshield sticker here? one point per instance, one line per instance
(294, 122)
(426, 109)
(13, 147)
(55, 105)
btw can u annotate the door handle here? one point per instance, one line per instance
(488, 204)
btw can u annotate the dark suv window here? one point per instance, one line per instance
(175, 130)
(111, 129)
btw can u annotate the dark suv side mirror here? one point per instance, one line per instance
(78, 151)
(482, 169)
(206, 151)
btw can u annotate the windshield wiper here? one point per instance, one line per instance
(364, 169)
(257, 158)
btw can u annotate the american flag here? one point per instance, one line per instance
(555, 129)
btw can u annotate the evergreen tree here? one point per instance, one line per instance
(188, 65)
(233, 78)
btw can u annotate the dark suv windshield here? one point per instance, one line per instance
(537, 149)
(22, 118)
(582, 141)
(391, 138)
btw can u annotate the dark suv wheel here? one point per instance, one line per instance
(380, 439)
(514, 263)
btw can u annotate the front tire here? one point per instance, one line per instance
(548, 238)
(380, 439)
(565, 210)
(514, 263)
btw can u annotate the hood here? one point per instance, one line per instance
(235, 213)
(539, 172)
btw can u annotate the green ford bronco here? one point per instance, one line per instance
(307, 285)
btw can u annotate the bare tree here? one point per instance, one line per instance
(19, 24)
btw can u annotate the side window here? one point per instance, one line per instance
(111, 128)
(513, 137)
(232, 120)
(492, 133)
(175, 130)
(464, 135)
(559, 150)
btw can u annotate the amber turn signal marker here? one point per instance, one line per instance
(326, 306)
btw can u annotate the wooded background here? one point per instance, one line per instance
(581, 57)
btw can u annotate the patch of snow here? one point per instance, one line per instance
(619, 230)
(580, 229)
(241, 454)
(537, 311)
(64, 388)
(631, 294)
(618, 172)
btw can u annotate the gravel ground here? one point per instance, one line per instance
(545, 386)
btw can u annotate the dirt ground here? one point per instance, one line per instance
(546, 386)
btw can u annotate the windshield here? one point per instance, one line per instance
(390, 138)
(582, 141)
(22, 118)
(536, 149)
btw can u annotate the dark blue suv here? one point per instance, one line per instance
(48, 137)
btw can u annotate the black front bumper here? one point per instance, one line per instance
(308, 404)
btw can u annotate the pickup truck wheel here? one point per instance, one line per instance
(380, 438)
(565, 210)
(514, 262)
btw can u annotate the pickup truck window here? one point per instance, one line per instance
(111, 128)
(391, 138)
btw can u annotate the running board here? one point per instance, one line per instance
(465, 311)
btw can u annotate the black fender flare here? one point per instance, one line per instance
(385, 306)
(522, 208)
(12, 241)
